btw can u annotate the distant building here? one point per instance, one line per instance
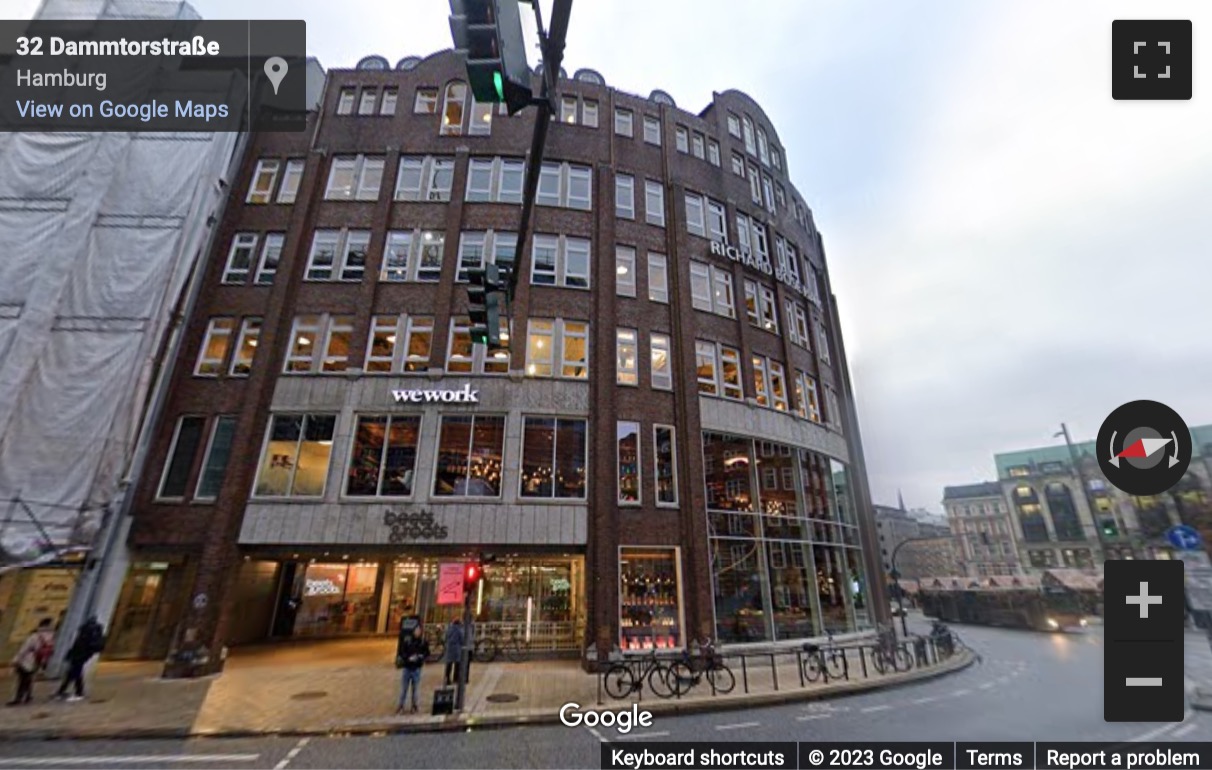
(981, 530)
(921, 558)
(1064, 513)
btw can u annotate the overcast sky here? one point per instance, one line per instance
(1010, 247)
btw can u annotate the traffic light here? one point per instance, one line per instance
(489, 34)
(473, 573)
(484, 305)
(1109, 528)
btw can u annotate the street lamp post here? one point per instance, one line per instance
(896, 579)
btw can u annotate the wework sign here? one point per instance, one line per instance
(406, 527)
(762, 265)
(464, 395)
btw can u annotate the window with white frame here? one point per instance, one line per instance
(775, 158)
(426, 102)
(717, 227)
(751, 302)
(354, 178)
(780, 195)
(557, 348)
(477, 249)
(480, 123)
(337, 255)
(240, 258)
(738, 164)
(314, 339)
(761, 384)
(387, 105)
(216, 457)
(337, 344)
(682, 139)
(768, 305)
(366, 105)
(833, 410)
(187, 438)
(215, 346)
(264, 177)
(662, 361)
(761, 247)
(291, 177)
(750, 140)
(696, 222)
(713, 152)
(424, 178)
(624, 120)
(453, 108)
(810, 283)
(589, 113)
(822, 343)
(246, 347)
(807, 402)
(696, 145)
(345, 101)
(734, 125)
(755, 185)
(711, 289)
(719, 370)
(627, 364)
(658, 277)
(797, 323)
(479, 180)
(763, 147)
(652, 130)
(568, 110)
(654, 203)
(624, 266)
(624, 196)
(665, 457)
(383, 458)
(744, 239)
(627, 447)
(465, 357)
(413, 256)
(560, 260)
(553, 458)
(768, 194)
(778, 385)
(294, 462)
(471, 448)
(271, 254)
(566, 185)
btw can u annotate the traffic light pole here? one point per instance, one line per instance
(552, 46)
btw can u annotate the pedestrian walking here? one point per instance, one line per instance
(90, 640)
(453, 651)
(411, 652)
(33, 655)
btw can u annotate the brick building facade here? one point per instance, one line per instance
(668, 451)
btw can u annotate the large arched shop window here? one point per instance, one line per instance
(454, 108)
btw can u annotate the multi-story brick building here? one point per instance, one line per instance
(982, 531)
(925, 549)
(668, 451)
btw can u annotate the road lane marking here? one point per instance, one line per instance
(927, 699)
(870, 709)
(986, 685)
(960, 693)
(1184, 729)
(807, 717)
(290, 755)
(135, 759)
(649, 734)
(594, 731)
(738, 725)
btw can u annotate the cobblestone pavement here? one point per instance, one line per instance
(352, 686)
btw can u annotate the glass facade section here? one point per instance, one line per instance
(784, 542)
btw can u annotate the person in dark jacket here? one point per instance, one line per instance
(453, 651)
(411, 652)
(90, 640)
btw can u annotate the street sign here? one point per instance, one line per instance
(450, 583)
(1184, 538)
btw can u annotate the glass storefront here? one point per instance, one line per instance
(337, 599)
(650, 599)
(784, 542)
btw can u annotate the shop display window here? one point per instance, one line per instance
(649, 599)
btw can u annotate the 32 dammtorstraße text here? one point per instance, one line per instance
(931, 755)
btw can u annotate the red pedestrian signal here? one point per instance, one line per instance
(472, 574)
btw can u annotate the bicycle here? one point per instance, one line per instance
(829, 662)
(690, 670)
(626, 677)
(491, 644)
(888, 654)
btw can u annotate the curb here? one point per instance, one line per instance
(460, 723)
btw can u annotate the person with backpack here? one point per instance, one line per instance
(90, 640)
(33, 655)
(411, 652)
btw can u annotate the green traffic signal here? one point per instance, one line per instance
(498, 83)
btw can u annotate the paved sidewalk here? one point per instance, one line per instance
(1198, 669)
(352, 686)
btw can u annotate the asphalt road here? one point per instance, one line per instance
(1029, 687)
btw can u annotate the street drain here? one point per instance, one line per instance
(309, 695)
(502, 697)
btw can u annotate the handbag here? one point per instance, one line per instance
(399, 661)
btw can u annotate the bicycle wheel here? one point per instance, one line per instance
(679, 678)
(879, 660)
(661, 681)
(515, 652)
(901, 659)
(812, 668)
(619, 681)
(486, 650)
(835, 664)
(721, 679)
